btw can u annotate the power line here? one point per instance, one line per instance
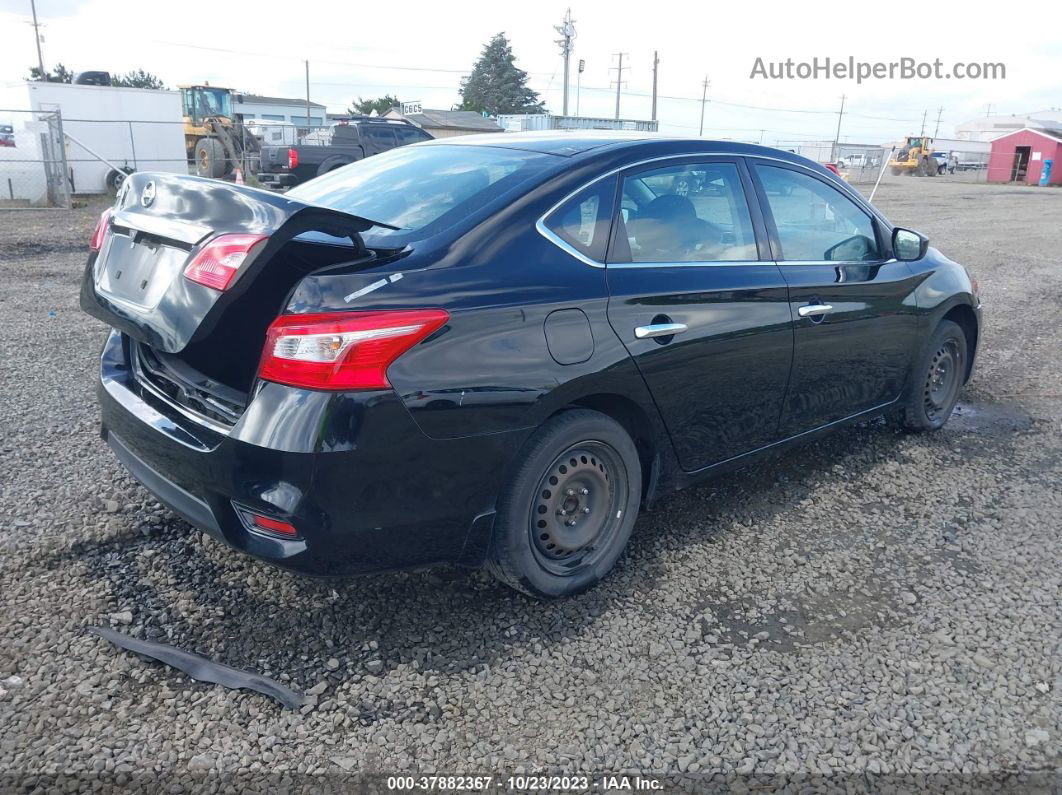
(704, 101)
(656, 67)
(837, 135)
(37, 39)
(619, 81)
(446, 70)
(567, 31)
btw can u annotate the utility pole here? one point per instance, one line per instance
(923, 131)
(936, 129)
(656, 66)
(704, 101)
(307, 96)
(579, 84)
(619, 81)
(837, 135)
(37, 39)
(567, 31)
(988, 110)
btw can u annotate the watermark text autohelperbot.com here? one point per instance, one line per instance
(851, 69)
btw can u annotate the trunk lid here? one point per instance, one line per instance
(136, 282)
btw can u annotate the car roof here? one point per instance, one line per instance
(571, 143)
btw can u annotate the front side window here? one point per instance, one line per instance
(583, 221)
(816, 222)
(691, 212)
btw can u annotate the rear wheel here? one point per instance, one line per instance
(210, 158)
(567, 513)
(937, 380)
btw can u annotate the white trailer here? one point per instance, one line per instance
(106, 129)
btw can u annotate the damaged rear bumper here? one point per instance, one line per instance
(323, 461)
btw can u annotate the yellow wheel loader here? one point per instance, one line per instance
(216, 142)
(915, 157)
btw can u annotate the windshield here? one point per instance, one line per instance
(421, 189)
(213, 102)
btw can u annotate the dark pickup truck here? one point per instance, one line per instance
(330, 147)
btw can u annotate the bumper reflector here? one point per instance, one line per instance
(275, 526)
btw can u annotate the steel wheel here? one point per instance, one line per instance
(574, 515)
(942, 381)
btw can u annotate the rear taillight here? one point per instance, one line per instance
(832, 167)
(293, 158)
(100, 232)
(218, 262)
(343, 350)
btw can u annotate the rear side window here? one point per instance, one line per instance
(688, 212)
(816, 222)
(583, 221)
(379, 134)
(344, 133)
(422, 190)
(411, 135)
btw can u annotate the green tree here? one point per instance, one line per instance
(137, 79)
(496, 85)
(59, 74)
(381, 105)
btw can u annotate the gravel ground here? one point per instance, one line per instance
(873, 605)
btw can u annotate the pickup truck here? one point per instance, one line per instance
(330, 147)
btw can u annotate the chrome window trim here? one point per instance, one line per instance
(552, 237)
(693, 263)
(783, 262)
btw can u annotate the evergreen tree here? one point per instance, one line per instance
(381, 105)
(59, 74)
(496, 84)
(137, 79)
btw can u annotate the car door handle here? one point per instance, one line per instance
(659, 330)
(814, 309)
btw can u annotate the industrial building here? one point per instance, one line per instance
(447, 123)
(989, 127)
(524, 122)
(253, 106)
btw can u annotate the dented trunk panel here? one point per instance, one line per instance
(160, 221)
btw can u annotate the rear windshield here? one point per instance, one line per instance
(422, 190)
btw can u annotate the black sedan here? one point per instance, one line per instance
(495, 350)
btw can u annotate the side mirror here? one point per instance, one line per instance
(854, 249)
(908, 245)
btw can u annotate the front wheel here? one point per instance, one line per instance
(936, 381)
(566, 515)
(210, 158)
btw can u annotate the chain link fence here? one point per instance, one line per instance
(862, 164)
(33, 163)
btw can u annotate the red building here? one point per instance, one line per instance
(1019, 156)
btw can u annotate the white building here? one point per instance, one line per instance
(989, 127)
(253, 106)
(107, 129)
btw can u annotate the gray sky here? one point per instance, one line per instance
(357, 48)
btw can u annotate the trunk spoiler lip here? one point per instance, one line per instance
(137, 207)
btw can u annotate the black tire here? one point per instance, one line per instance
(116, 178)
(560, 526)
(936, 380)
(210, 158)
